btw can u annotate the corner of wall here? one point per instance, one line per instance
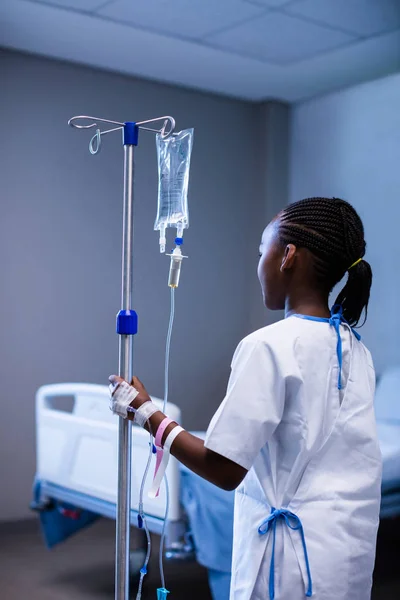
(272, 140)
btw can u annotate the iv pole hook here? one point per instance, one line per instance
(167, 128)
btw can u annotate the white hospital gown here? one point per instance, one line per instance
(309, 448)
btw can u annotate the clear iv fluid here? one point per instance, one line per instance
(174, 273)
(174, 154)
(171, 209)
(175, 266)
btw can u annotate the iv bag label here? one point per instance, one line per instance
(171, 189)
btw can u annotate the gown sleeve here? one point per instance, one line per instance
(253, 405)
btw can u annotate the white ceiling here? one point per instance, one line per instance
(251, 49)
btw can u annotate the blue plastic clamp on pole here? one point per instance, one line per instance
(127, 322)
(131, 134)
(162, 594)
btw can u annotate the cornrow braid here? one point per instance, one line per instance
(332, 231)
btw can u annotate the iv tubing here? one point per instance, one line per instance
(160, 557)
(166, 392)
(168, 349)
(143, 570)
(141, 512)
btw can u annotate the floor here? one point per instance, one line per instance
(387, 565)
(82, 568)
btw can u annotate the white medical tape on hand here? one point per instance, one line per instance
(144, 413)
(155, 486)
(121, 398)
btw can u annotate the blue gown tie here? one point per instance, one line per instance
(335, 321)
(293, 522)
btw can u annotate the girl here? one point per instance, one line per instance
(295, 433)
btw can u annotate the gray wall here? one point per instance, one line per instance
(348, 145)
(60, 239)
(272, 142)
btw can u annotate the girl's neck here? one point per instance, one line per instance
(310, 304)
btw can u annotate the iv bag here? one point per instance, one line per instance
(174, 154)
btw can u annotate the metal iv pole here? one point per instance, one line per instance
(127, 326)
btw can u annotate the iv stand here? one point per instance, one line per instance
(125, 371)
(127, 326)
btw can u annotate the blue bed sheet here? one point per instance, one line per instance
(210, 512)
(59, 520)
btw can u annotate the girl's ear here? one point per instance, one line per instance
(288, 257)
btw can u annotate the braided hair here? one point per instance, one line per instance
(333, 232)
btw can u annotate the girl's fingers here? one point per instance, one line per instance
(137, 383)
(115, 382)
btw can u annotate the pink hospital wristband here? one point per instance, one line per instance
(158, 476)
(158, 444)
(160, 431)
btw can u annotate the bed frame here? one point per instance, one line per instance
(76, 443)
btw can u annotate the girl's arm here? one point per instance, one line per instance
(190, 450)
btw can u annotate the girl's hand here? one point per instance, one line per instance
(142, 396)
(187, 448)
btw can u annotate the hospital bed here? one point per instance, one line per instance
(387, 410)
(76, 481)
(77, 467)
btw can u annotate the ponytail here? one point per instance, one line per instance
(354, 297)
(332, 231)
